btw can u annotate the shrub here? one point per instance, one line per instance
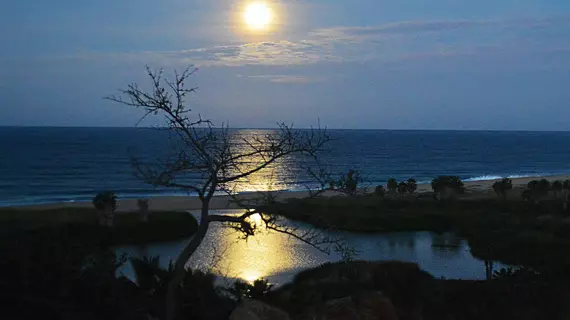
(402, 187)
(502, 187)
(349, 183)
(447, 183)
(527, 195)
(544, 185)
(566, 187)
(380, 191)
(412, 185)
(143, 209)
(539, 188)
(106, 204)
(392, 185)
(532, 185)
(243, 290)
(557, 186)
(566, 184)
(105, 200)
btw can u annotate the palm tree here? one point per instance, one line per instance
(402, 188)
(412, 185)
(106, 204)
(351, 181)
(444, 184)
(392, 185)
(348, 183)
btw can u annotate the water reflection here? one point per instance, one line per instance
(278, 258)
(266, 255)
(447, 245)
(270, 178)
(397, 241)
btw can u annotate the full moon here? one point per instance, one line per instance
(257, 16)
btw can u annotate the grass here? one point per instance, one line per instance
(81, 224)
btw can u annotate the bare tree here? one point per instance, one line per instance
(208, 161)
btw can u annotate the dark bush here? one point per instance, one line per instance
(502, 187)
(412, 185)
(105, 200)
(392, 185)
(452, 184)
(380, 191)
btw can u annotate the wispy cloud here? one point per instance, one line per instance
(288, 79)
(437, 26)
(279, 53)
(397, 28)
(387, 42)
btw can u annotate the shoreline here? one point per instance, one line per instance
(481, 188)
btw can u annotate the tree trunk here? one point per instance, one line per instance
(109, 216)
(144, 215)
(489, 269)
(143, 210)
(101, 217)
(106, 216)
(180, 266)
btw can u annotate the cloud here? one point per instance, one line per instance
(387, 42)
(437, 26)
(397, 28)
(287, 79)
(279, 53)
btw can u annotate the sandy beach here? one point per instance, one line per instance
(474, 189)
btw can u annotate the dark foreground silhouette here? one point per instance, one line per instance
(68, 271)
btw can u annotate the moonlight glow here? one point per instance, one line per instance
(258, 16)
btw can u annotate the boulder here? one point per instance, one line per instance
(365, 306)
(257, 310)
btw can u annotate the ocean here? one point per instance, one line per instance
(47, 165)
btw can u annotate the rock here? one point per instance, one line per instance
(257, 310)
(366, 306)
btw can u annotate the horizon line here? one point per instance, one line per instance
(301, 128)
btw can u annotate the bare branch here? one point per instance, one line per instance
(208, 161)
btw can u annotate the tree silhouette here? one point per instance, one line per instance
(392, 185)
(412, 185)
(502, 187)
(566, 187)
(207, 161)
(380, 191)
(538, 189)
(556, 187)
(106, 204)
(349, 182)
(447, 184)
(402, 188)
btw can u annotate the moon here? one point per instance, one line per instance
(258, 16)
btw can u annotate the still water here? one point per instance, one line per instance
(277, 257)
